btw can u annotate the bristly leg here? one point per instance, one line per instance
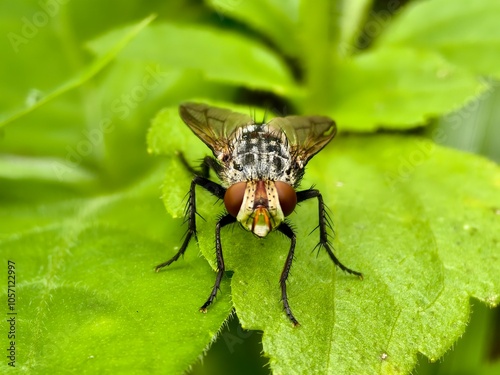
(287, 231)
(207, 163)
(225, 220)
(323, 223)
(213, 188)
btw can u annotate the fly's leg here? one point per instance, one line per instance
(323, 223)
(213, 188)
(225, 220)
(287, 231)
(207, 163)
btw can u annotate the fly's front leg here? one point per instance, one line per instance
(213, 188)
(225, 220)
(207, 163)
(323, 223)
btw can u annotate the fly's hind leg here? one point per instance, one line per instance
(225, 220)
(287, 231)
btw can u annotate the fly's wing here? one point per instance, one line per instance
(307, 135)
(214, 126)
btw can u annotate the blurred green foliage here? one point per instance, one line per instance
(80, 211)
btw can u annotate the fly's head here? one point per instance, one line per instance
(260, 205)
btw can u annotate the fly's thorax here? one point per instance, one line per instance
(260, 205)
(256, 153)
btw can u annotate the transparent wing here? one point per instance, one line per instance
(214, 126)
(307, 135)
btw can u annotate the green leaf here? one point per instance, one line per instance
(353, 15)
(321, 24)
(220, 55)
(391, 86)
(88, 299)
(467, 34)
(397, 89)
(419, 221)
(276, 19)
(44, 169)
(469, 353)
(169, 135)
(121, 39)
(80, 212)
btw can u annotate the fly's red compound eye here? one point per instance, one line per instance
(234, 198)
(286, 196)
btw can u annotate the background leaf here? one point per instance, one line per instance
(467, 36)
(79, 193)
(353, 18)
(405, 86)
(212, 51)
(88, 298)
(115, 46)
(278, 20)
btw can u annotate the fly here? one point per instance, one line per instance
(260, 166)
